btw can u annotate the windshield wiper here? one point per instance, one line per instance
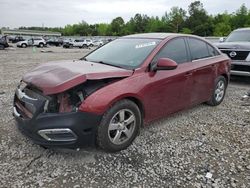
(101, 62)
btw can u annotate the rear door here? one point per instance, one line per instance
(203, 66)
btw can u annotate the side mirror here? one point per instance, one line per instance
(166, 64)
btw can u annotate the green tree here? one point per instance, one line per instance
(199, 21)
(102, 29)
(241, 17)
(116, 26)
(177, 17)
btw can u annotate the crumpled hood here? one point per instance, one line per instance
(233, 45)
(57, 77)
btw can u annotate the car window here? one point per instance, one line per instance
(175, 50)
(212, 51)
(198, 49)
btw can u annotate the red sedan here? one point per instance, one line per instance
(107, 96)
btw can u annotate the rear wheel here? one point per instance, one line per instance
(218, 92)
(24, 45)
(41, 45)
(119, 126)
(84, 46)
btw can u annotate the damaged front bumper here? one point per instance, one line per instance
(67, 130)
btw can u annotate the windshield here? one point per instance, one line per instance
(125, 52)
(239, 36)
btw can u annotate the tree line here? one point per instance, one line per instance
(195, 20)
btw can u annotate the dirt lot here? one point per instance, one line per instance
(178, 151)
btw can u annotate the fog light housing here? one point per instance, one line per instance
(58, 135)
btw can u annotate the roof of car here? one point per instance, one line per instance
(153, 35)
(243, 29)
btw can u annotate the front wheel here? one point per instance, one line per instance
(41, 45)
(218, 92)
(119, 126)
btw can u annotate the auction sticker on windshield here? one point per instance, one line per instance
(145, 44)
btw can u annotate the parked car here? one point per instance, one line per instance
(17, 39)
(3, 43)
(54, 42)
(98, 43)
(108, 95)
(237, 47)
(80, 43)
(37, 41)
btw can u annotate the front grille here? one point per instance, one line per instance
(29, 104)
(240, 55)
(243, 68)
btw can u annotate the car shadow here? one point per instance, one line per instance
(240, 80)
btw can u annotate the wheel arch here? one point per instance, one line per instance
(226, 76)
(140, 105)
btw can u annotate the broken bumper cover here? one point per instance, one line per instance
(66, 130)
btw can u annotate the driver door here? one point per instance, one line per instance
(168, 91)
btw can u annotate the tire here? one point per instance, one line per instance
(91, 45)
(219, 91)
(24, 45)
(84, 46)
(113, 133)
(41, 45)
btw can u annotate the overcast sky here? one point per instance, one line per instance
(53, 13)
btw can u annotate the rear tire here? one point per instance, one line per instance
(219, 91)
(119, 126)
(41, 45)
(24, 45)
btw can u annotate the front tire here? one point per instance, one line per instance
(218, 92)
(119, 126)
(41, 45)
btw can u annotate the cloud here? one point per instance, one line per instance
(15, 13)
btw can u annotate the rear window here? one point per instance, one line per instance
(198, 49)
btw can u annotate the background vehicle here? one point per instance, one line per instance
(37, 41)
(105, 97)
(237, 47)
(80, 43)
(54, 42)
(3, 42)
(98, 43)
(17, 39)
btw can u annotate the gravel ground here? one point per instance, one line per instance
(200, 147)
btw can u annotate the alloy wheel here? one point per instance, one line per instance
(219, 91)
(122, 126)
